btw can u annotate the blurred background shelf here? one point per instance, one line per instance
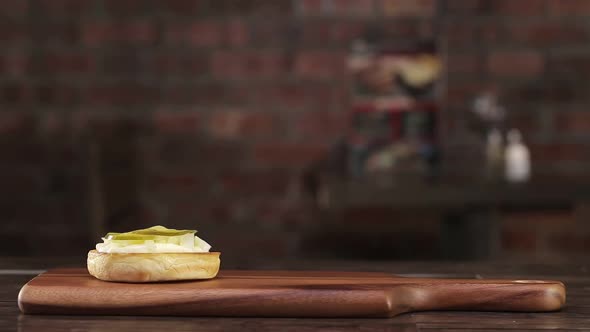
(549, 192)
(469, 210)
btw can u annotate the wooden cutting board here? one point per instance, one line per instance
(283, 294)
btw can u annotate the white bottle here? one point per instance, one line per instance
(517, 158)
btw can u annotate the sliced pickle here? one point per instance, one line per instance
(158, 234)
(151, 233)
(163, 231)
(130, 236)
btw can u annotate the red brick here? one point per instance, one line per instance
(239, 94)
(220, 154)
(15, 92)
(460, 35)
(126, 7)
(569, 7)
(175, 183)
(522, 64)
(292, 155)
(582, 210)
(569, 65)
(301, 95)
(272, 31)
(269, 211)
(179, 7)
(407, 8)
(281, 9)
(337, 32)
(11, 122)
(322, 126)
(316, 32)
(108, 125)
(547, 33)
(58, 94)
(312, 7)
(175, 33)
(247, 64)
(197, 34)
(464, 63)
(204, 34)
(570, 242)
(346, 31)
(174, 152)
(177, 122)
(219, 211)
(552, 152)
(66, 32)
(528, 123)
(190, 212)
(24, 179)
(378, 216)
(207, 94)
(282, 94)
(520, 8)
(236, 33)
(235, 124)
(551, 91)
(490, 33)
(352, 7)
(13, 64)
(66, 63)
(255, 182)
(15, 7)
(13, 33)
(575, 122)
(399, 29)
(519, 240)
(52, 123)
(121, 94)
(123, 63)
(79, 121)
(61, 8)
(82, 121)
(543, 220)
(133, 32)
(172, 63)
(138, 32)
(464, 6)
(320, 64)
(461, 94)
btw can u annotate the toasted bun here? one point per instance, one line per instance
(153, 267)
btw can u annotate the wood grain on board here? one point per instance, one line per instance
(283, 294)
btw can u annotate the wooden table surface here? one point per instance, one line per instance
(576, 316)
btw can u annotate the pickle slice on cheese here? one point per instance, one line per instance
(157, 235)
(151, 233)
(163, 231)
(130, 237)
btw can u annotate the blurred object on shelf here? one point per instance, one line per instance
(409, 70)
(394, 108)
(488, 114)
(510, 162)
(517, 157)
(487, 107)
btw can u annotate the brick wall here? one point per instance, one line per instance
(205, 113)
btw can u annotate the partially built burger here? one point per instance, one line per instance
(153, 254)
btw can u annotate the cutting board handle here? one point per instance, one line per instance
(485, 295)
